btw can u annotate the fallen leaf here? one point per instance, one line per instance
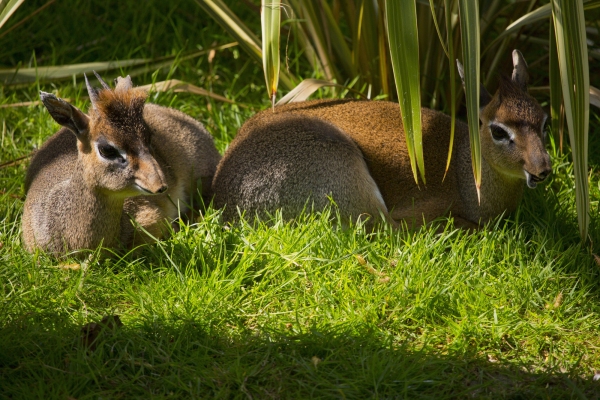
(1, 245)
(70, 267)
(91, 331)
(361, 260)
(596, 377)
(597, 258)
(558, 300)
(316, 361)
(383, 277)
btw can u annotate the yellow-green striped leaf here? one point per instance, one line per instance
(7, 8)
(271, 22)
(569, 27)
(401, 18)
(448, 5)
(555, 90)
(469, 28)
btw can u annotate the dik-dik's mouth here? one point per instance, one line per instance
(148, 192)
(533, 180)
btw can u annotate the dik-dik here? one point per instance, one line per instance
(355, 152)
(124, 160)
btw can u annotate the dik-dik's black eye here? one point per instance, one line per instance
(109, 152)
(499, 133)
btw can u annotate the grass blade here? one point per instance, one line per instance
(7, 8)
(401, 18)
(469, 28)
(271, 24)
(569, 26)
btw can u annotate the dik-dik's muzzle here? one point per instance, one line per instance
(150, 178)
(538, 166)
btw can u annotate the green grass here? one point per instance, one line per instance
(284, 309)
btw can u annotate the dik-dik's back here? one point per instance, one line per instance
(355, 152)
(124, 160)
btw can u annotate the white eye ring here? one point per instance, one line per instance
(510, 132)
(102, 157)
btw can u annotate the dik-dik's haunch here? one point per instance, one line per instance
(355, 153)
(125, 160)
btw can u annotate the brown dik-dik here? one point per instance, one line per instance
(124, 160)
(355, 152)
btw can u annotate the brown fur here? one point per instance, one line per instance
(78, 199)
(282, 152)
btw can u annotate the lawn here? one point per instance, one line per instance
(280, 309)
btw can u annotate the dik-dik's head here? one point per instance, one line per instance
(512, 131)
(113, 140)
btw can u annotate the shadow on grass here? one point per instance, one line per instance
(42, 356)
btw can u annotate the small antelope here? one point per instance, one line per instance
(355, 152)
(124, 160)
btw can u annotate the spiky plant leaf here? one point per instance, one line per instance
(271, 23)
(569, 26)
(556, 104)
(448, 6)
(401, 18)
(469, 28)
(7, 8)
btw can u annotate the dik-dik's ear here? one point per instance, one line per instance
(484, 96)
(520, 76)
(65, 114)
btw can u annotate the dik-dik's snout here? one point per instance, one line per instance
(150, 178)
(537, 165)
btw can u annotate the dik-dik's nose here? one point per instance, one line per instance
(150, 175)
(544, 174)
(162, 189)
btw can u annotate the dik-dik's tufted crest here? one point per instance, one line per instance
(122, 108)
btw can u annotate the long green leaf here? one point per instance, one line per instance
(271, 23)
(540, 14)
(555, 90)
(448, 5)
(469, 28)
(7, 8)
(28, 75)
(401, 17)
(21, 76)
(569, 26)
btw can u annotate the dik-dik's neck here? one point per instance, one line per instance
(500, 193)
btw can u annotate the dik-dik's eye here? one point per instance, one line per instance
(499, 133)
(109, 152)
